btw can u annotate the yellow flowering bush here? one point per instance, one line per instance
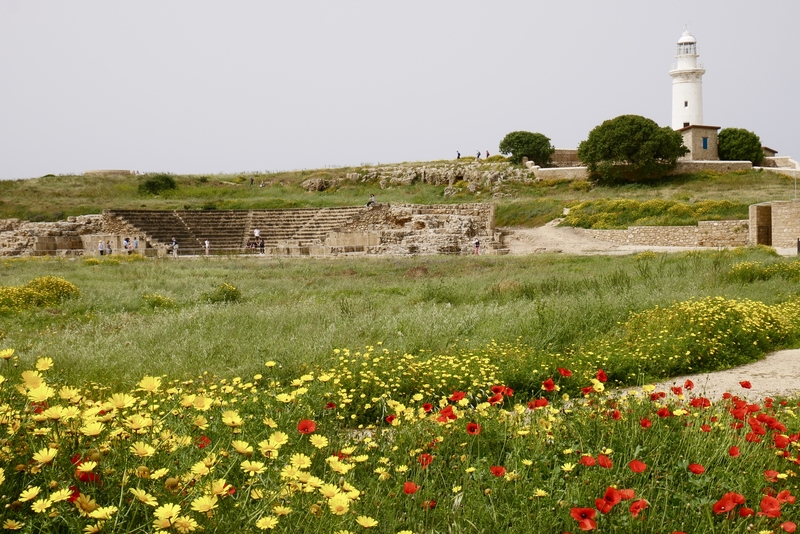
(41, 291)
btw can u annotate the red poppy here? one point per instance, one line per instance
(657, 395)
(785, 496)
(584, 517)
(637, 466)
(746, 384)
(549, 385)
(601, 375)
(306, 426)
(446, 415)
(537, 403)
(495, 399)
(498, 470)
(428, 505)
(604, 461)
(788, 526)
(727, 503)
(587, 390)
(473, 429)
(676, 390)
(457, 396)
(780, 441)
(645, 422)
(637, 506)
(609, 500)
(688, 384)
(697, 469)
(587, 460)
(73, 496)
(744, 511)
(770, 507)
(752, 437)
(705, 428)
(409, 488)
(390, 418)
(503, 390)
(425, 459)
(699, 402)
(428, 407)
(771, 475)
(626, 494)
(83, 476)
(664, 412)
(566, 373)
(202, 442)
(330, 406)
(615, 415)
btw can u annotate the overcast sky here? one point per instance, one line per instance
(206, 86)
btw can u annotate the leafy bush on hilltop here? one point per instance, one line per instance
(157, 184)
(606, 214)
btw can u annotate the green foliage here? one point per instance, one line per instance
(157, 184)
(497, 158)
(631, 148)
(606, 214)
(535, 146)
(41, 291)
(748, 272)
(154, 300)
(738, 144)
(224, 293)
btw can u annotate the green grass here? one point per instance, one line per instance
(608, 214)
(517, 204)
(298, 311)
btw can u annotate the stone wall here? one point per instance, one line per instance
(566, 157)
(785, 223)
(705, 234)
(24, 238)
(686, 167)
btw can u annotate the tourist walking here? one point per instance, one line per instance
(135, 243)
(101, 248)
(487, 154)
(371, 200)
(477, 155)
(458, 154)
(108, 248)
(477, 246)
(207, 245)
(261, 245)
(256, 233)
(174, 246)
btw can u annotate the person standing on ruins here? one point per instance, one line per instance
(477, 245)
(108, 247)
(207, 246)
(371, 200)
(256, 233)
(100, 248)
(174, 246)
(478, 155)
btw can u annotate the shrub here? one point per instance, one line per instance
(738, 144)
(157, 184)
(42, 291)
(224, 293)
(154, 300)
(631, 148)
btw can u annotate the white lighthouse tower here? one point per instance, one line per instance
(687, 84)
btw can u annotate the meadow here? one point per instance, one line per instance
(426, 394)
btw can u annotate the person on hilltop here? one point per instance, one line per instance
(458, 154)
(478, 155)
(371, 200)
(487, 154)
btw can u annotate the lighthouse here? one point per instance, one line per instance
(687, 84)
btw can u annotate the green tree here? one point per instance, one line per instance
(738, 144)
(535, 146)
(631, 148)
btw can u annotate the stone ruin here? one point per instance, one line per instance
(379, 229)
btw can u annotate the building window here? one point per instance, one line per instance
(685, 124)
(705, 143)
(686, 103)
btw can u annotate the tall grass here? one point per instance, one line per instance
(297, 312)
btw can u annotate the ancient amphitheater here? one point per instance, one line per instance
(380, 229)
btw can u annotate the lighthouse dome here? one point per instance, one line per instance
(687, 38)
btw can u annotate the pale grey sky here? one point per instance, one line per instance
(200, 86)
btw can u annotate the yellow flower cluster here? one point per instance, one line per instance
(42, 291)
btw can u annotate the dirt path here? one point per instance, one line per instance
(777, 375)
(552, 238)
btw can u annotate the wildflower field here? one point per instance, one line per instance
(513, 422)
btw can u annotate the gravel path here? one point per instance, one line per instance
(777, 375)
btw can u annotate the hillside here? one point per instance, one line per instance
(520, 200)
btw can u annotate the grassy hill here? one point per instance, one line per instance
(518, 204)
